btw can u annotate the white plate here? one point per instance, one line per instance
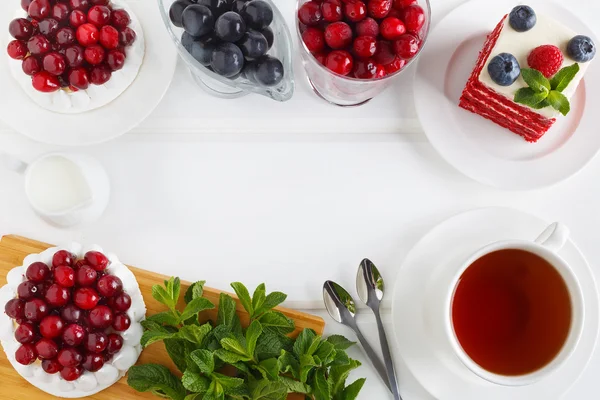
(479, 148)
(439, 371)
(108, 122)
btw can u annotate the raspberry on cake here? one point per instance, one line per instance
(527, 73)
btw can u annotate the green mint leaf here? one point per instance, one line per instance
(339, 374)
(227, 314)
(561, 80)
(195, 382)
(231, 357)
(268, 390)
(233, 345)
(543, 104)
(194, 333)
(351, 392)
(278, 321)
(321, 387)
(205, 361)
(196, 306)
(536, 80)
(229, 383)
(307, 363)
(175, 289)
(529, 97)
(259, 296)
(215, 392)
(326, 353)
(304, 341)
(243, 367)
(161, 295)
(288, 364)
(252, 334)
(294, 386)
(340, 342)
(271, 301)
(179, 350)
(194, 396)
(195, 290)
(559, 102)
(270, 344)
(340, 358)
(269, 369)
(152, 377)
(150, 337)
(150, 325)
(242, 293)
(164, 318)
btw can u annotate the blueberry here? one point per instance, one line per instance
(269, 71)
(203, 48)
(581, 48)
(186, 41)
(258, 14)
(522, 18)
(176, 11)
(268, 34)
(504, 69)
(230, 27)
(227, 60)
(253, 44)
(198, 20)
(218, 7)
(237, 5)
(249, 71)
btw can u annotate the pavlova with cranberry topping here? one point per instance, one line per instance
(71, 321)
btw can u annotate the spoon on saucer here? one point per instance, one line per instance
(342, 308)
(370, 287)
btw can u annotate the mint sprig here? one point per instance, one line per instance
(543, 92)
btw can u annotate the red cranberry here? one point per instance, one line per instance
(338, 35)
(384, 54)
(26, 354)
(57, 296)
(62, 257)
(355, 10)
(320, 57)
(37, 272)
(17, 50)
(96, 260)
(392, 28)
(100, 75)
(54, 63)
(120, 19)
(87, 35)
(340, 62)
(15, 308)
(400, 4)
(51, 366)
(109, 37)
(367, 27)
(93, 362)
(38, 45)
(115, 60)
(367, 69)
(25, 333)
(94, 54)
(20, 29)
(46, 349)
(81, 5)
(86, 298)
(73, 335)
(71, 373)
(36, 310)
(71, 314)
(121, 323)
(48, 27)
(109, 285)
(115, 343)
(65, 37)
(25, 4)
(77, 18)
(64, 276)
(96, 342)
(99, 15)
(51, 326)
(27, 290)
(100, 2)
(86, 276)
(310, 13)
(79, 78)
(394, 66)
(414, 18)
(365, 46)
(122, 302)
(101, 317)
(127, 37)
(69, 357)
(39, 9)
(332, 10)
(314, 39)
(379, 8)
(60, 12)
(407, 46)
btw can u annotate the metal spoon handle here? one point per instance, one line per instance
(379, 367)
(387, 357)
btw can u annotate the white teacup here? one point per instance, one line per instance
(64, 189)
(545, 246)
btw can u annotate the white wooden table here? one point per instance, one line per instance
(290, 194)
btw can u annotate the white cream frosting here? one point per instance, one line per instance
(520, 44)
(90, 382)
(95, 96)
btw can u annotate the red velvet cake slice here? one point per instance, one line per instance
(527, 72)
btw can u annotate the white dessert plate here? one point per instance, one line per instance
(479, 148)
(105, 123)
(419, 342)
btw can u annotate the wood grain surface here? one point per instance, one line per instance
(13, 250)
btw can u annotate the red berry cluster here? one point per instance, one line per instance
(363, 39)
(547, 59)
(69, 313)
(70, 43)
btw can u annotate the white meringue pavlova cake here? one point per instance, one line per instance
(115, 364)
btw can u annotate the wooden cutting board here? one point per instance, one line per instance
(13, 250)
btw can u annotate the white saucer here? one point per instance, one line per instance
(107, 122)
(437, 369)
(479, 148)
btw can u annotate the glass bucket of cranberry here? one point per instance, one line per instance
(353, 49)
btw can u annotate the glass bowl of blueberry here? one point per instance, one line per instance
(233, 47)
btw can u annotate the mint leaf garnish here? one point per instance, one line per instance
(242, 293)
(155, 378)
(530, 97)
(559, 102)
(561, 80)
(351, 392)
(536, 80)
